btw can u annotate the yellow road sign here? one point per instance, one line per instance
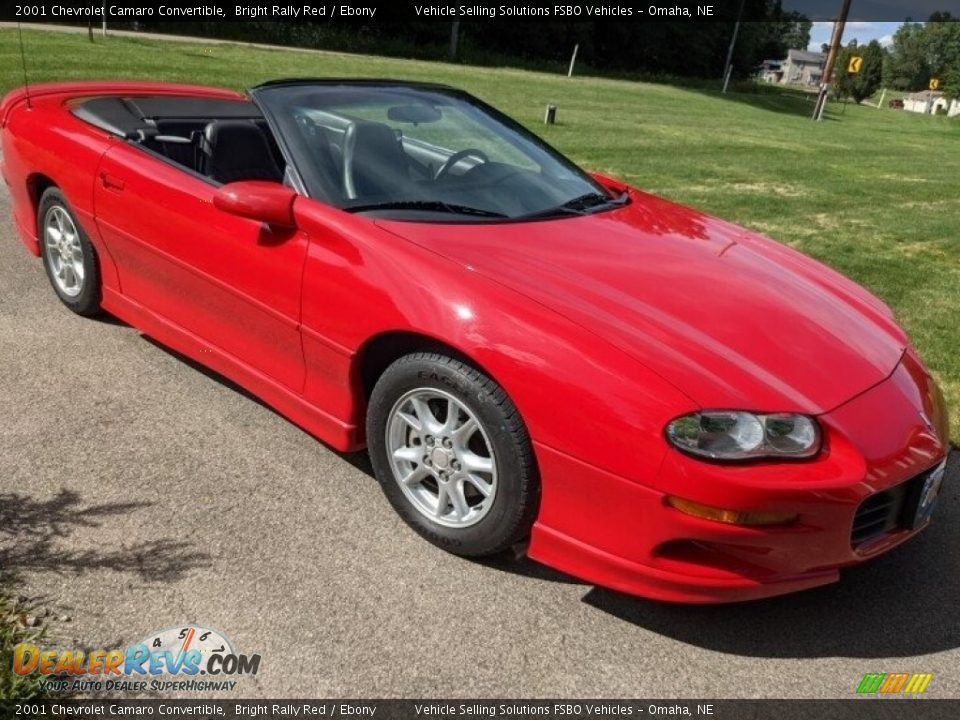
(934, 83)
(856, 64)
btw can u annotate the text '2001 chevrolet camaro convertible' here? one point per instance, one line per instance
(657, 401)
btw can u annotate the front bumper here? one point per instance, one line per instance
(621, 534)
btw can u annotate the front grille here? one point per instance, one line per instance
(879, 514)
(888, 510)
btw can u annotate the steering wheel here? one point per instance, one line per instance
(457, 157)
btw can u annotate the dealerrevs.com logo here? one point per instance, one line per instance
(894, 683)
(171, 660)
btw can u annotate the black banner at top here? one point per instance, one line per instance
(372, 11)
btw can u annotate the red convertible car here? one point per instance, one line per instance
(656, 400)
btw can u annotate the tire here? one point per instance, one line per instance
(436, 390)
(69, 259)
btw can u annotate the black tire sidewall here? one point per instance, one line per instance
(508, 519)
(88, 301)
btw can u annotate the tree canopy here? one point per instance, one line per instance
(682, 49)
(924, 51)
(865, 83)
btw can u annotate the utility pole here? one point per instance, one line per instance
(728, 68)
(454, 39)
(826, 81)
(573, 60)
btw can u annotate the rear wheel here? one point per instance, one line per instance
(68, 257)
(452, 454)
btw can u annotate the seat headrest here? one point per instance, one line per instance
(374, 162)
(375, 138)
(238, 150)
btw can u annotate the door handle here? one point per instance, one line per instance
(111, 181)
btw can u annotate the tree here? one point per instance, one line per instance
(862, 85)
(779, 32)
(679, 48)
(908, 67)
(796, 34)
(922, 52)
(943, 52)
(790, 29)
(870, 78)
(951, 82)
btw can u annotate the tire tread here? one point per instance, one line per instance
(87, 303)
(525, 508)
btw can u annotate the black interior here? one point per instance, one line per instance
(356, 162)
(222, 140)
(238, 150)
(373, 160)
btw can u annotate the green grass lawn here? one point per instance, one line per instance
(14, 630)
(874, 193)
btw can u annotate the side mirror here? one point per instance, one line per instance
(268, 202)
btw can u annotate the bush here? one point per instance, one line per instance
(14, 630)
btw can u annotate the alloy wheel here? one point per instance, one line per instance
(441, 458)
(64, 251)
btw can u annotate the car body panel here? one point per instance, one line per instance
(233, 281)
(693, 298)
(346, 305)
(627, 539)
(600, 328)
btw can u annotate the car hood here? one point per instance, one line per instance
(732, 319)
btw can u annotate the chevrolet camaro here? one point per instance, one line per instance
(648, 398)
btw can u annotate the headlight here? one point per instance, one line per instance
(735, 435)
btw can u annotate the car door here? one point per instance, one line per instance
(231, 282)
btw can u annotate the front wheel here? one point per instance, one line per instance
(452, 454)
(68, 256)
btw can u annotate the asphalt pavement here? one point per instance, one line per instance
(138, 492)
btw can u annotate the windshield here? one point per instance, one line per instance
(418, 152)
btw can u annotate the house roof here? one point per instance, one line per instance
(925, 95)
(804, 56)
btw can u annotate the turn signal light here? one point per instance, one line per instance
(731, 517)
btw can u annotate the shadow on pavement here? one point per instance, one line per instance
(105, 318)
(900, 604)
(34, 536)
(511, 561)
(208, 372)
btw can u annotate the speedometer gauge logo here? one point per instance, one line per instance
(185, 638)
(191, 650)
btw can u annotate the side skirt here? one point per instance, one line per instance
(340, 435)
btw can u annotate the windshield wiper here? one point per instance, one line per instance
(581, 205)
(428, 206)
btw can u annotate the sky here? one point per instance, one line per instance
(864, 32)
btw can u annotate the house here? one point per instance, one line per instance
(925, 102)
(931, 103)
(922, 102)
(928, 102)
(803, 68)
(771, 71)
(946, 106)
